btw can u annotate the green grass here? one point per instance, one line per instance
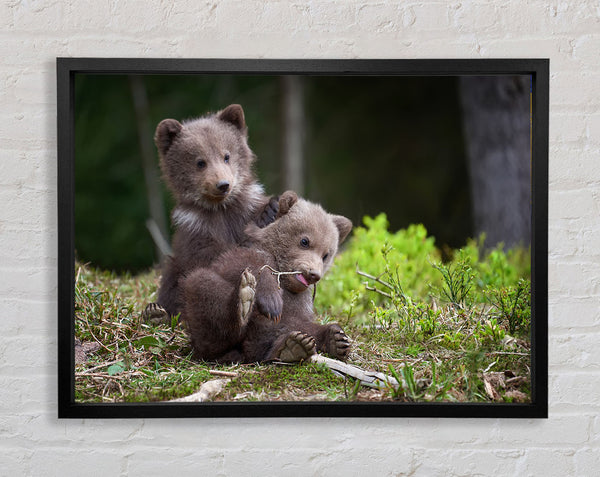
(454, 332)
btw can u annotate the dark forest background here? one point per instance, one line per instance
(450, 153)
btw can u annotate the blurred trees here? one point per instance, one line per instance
(497, 134)
(369, 144)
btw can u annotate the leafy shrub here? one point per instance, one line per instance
(408, 253)
(406, 265)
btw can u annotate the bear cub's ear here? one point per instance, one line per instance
(233, 114)
(166, 132)
(343, 225)
(287, 199)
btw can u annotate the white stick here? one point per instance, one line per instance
(207, 391)
(371, 379)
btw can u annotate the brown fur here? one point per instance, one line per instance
(212, 295)
(208, 166)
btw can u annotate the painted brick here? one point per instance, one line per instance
(587, 356)
(582, 276)
(575, 204)
(587, 461)
(84, 461)
(15, 461)
(573, 167)
(33, 34)
(575, 388)
(575, 87)
(443, 463)
(28, 354)
(548, 462)
(382, 18)
(575, 312)
(568, 127)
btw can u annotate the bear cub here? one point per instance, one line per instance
(242, 309)
(207, 165)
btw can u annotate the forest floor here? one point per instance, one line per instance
(438, 351)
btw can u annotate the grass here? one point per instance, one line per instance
(458, 334)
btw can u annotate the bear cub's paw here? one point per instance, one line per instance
(269, 213)
(270, 304)
(246, 295)
(337, 344)
(296, 347)
(155, 314)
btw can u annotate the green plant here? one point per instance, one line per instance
(408, 387)
(514, 305)
(458, 280)
(491, 331)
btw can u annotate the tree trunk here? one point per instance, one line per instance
(496, 121)
(293, 133)
(157, 223)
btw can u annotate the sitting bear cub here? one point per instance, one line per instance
(241, 310)
(208, 166)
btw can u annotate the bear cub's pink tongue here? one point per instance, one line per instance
(301, 279)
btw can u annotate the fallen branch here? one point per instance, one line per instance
(371, 379)
(207, 391)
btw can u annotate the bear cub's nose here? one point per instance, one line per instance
(223, 186)
(313, 277)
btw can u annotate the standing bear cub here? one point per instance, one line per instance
(243, 309)
(207, 165)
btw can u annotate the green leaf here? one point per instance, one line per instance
(148, 342)
(116, 368)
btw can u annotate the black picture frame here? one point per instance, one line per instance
(67, 68)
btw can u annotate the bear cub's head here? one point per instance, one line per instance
(206, 162)
(303, 238)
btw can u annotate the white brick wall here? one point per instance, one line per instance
(34, 442)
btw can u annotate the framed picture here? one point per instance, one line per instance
(408, 276)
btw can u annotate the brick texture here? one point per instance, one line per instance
(33, 34)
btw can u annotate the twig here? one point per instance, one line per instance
(103, 365)
(377, 279)
(508, 352)
(376, 290)
(93, 335)
(227, 374)
(277, 273)
(122, 375)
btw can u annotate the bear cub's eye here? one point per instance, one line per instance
(201, 164)
(304, 242)
(226, 158)
(325, 257)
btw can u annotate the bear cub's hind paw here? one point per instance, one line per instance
(297, 346)
(155, 314)
(246, 294)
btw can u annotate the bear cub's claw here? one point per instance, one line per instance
(246, 295)
(338, 344)
(270, 304)
(297, 346)
(155, 314)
